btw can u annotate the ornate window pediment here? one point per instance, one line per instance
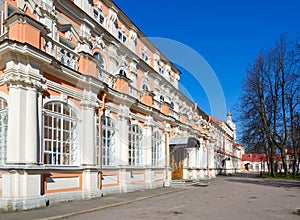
(69, 31)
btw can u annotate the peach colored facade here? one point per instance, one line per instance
(83, 112)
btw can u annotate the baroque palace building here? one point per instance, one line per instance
(89, 106)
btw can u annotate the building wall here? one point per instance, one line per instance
(88, 105)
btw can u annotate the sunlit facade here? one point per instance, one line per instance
(88, 106)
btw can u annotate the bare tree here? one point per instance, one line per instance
(270, 102)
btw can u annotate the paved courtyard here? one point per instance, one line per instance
(222, 198)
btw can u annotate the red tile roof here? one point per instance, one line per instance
(261, 157)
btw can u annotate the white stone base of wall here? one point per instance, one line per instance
(11, 204)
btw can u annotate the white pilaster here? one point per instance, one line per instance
(31, 127)
(88, 150)
(23, 139)
(122, 142)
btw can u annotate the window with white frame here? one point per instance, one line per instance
(99, 16)
(135, 149)
(3, 130)
(145, 55)
(60, 134)
(156, 148)
(108, 130)
(122, 36)
(145, 87)
(100, 64)
(161, 98)
(123, 72)
(172, 105)
(161, 70)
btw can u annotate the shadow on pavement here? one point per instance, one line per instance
(266, 182)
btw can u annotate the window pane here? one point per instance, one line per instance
(58, 131)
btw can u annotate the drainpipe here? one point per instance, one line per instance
(99, 140)
(167, 157)
(99, 128)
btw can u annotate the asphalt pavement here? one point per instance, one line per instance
(226, 197)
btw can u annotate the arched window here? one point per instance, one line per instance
(161, 98)
(122, 72)
(108, 141)
(135, 138)
(60, 134)
(101, 63)
(3, 130)
(172, 105)
(145, 87)
(156, 148)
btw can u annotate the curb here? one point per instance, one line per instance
(110, 205)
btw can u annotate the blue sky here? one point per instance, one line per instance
(227, 34)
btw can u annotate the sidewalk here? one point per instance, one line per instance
(67, 209)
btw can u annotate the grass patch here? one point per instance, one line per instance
(280, 176)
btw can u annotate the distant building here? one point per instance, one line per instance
(88, 106)
(259, 162)
(227, 153)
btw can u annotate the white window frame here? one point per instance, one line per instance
(145, 56)
(99, 16)
(161, 98)
(161, 70)
(101, 65)
(3, 130)
(122, 36)
(108, 141)
(59, 135)
(135, 145)
(156, 148)
(145, 87)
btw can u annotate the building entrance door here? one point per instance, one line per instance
(177, 159)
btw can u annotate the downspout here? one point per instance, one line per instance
(100, 110)
(167, 157)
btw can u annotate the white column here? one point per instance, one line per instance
(15, 133)
(31, 127)
(23, 136)
(88, 147)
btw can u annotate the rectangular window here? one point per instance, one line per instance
(161, 70)
(60, 135)
(122, 36)
(145, 57)
(98, 16)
